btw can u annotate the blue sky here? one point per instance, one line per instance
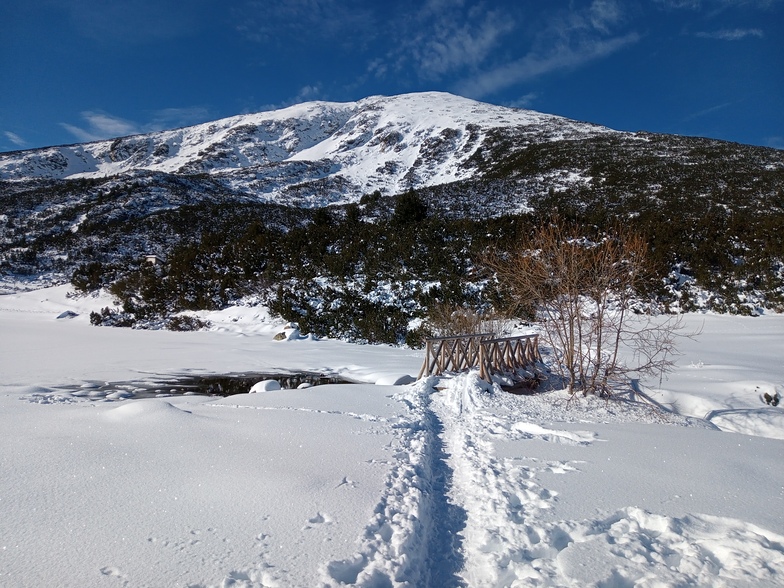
(79, 70)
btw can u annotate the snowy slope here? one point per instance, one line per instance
(379, 143)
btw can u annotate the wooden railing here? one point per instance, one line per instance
(452, 354)
(491, 355)
(508, 354)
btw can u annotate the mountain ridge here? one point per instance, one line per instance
(388, 144)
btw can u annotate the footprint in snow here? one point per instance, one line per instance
(346, 482)
(112, 571)
(319, 519)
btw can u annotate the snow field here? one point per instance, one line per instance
(444, 482)
(188, 491)
(724, 372)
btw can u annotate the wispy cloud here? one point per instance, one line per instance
(449, 40)
(536, 64)
(603, 14)
(731, 34)
(569, 40)
(441, 38)
(98, 125)
(489, 49)
(596, 21)
(15, 139)
(707, 111)
(101, 125)
(308, 93)
(525, 101)
(305, 94)
(680, 4)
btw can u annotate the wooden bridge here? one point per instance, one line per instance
(492, 355)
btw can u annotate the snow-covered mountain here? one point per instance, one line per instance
(313, 153)
(711, 210)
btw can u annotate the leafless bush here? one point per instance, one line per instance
(447, 320)
(581, 290)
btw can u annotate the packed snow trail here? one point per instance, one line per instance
(454, 514)
(498, 496)
(412, 539)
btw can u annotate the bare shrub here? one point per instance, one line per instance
(582, 291)
(447, 320)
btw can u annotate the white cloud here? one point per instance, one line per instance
(568, 40)
(308, 93)
(603, 14)
(535, 64)
(708, 111)
(676, 4)
(443, 37)
(101, 126)
(15, 139)
(108, 124)
(731, 34)
(449, 42)
(585, 25)
(81, 134)
(525, 101)
(305, 94)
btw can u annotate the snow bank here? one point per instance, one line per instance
(265, 386)
(725, 371)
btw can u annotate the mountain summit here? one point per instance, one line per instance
(314, 153)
